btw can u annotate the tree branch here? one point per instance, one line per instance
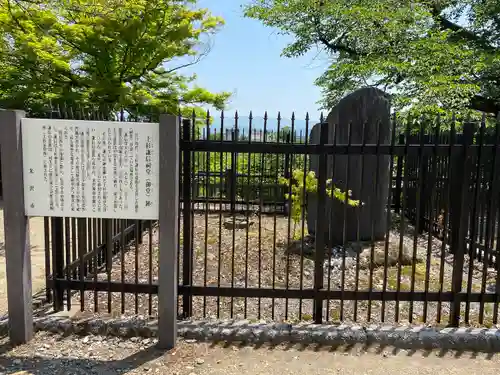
(153, 63)
(125, 66)
(462, 32)
(485, 105)
(336, 45)
(198, 58)
(16, 20)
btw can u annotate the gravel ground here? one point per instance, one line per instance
(54, 354)
(50, 354)
(263, 255)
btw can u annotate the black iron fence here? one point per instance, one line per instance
(249, 243)
(82, 253)
(436, 261)
(437, 182)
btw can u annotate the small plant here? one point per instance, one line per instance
(299, 185)
(307, 317)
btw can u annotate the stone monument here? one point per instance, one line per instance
(367, 110)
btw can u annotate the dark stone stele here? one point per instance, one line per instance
(366, 110)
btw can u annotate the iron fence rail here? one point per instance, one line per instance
(246, 252)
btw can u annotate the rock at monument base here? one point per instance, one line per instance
(373, 255)
(367, 110)
(237, 222)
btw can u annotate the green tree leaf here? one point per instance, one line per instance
(435, 55)
(125, 54)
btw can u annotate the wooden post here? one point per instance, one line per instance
(16, 229)
(169, 231)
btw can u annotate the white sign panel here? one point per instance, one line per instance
(94, 169)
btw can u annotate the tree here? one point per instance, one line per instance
(114, 55)
(436, 55)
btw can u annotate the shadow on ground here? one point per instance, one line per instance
(38, 365)
(2, 248)
(359, 349)
(41, 307)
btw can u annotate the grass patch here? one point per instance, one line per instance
(335, 315)
(307, 317)
(212, 240)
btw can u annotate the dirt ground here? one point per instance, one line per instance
(53, 355)
(37, 259)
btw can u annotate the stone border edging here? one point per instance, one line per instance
(468, 339)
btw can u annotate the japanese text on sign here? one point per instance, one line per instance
(90, 169)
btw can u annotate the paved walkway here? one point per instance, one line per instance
(282, 362)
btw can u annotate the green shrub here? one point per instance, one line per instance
(299, 185)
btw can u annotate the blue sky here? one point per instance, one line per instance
(245, 59)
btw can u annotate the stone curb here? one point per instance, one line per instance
(467, 339)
